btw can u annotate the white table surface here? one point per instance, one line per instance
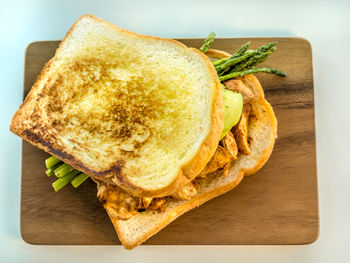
(326, 24)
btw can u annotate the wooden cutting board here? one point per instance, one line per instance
(278, 205)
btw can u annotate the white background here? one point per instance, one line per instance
(326, 24)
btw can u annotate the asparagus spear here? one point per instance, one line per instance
(50, 171)
(63, 170)
(219, 61)
(252, 70)
(51, 162)
(207, 42)
(79, 179)
(266, 47)
(253, 61)
(59, 183)
(239, 53)
(242, 49)
(233, 61)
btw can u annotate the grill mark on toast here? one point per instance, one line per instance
(35, 138)
(114, 169)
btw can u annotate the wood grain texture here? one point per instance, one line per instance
(278, 205)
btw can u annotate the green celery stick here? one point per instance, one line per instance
(50, 171)
(59, 183)
(51, 162)
(63, 170)
(78, 180)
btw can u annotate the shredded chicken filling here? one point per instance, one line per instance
(122, 205)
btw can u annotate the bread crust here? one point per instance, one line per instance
(183, 207)
(235, 176)
(186, 172)
(192, 168)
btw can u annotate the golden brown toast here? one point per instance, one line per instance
(142, 112)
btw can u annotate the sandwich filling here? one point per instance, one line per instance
(235, 142)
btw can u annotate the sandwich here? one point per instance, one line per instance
(160, 127)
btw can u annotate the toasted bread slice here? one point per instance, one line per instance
(262, 130)
(143, 112)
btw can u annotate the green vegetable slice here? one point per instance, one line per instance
(233, 110)
(51, 171)
(51, 162)
(59, 183)
(81, 178)
(63, 170)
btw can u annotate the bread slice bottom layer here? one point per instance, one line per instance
(262, 130)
